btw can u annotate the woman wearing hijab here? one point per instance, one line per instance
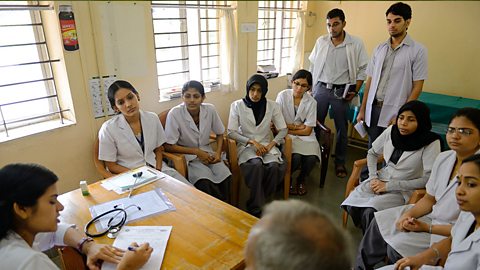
(409, 149)
(258, 156)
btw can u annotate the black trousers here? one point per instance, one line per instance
(220, 191)
(305, 163)
(262, 180)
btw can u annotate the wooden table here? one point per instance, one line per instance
(207, 233)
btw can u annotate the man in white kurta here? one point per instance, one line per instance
(337, 61)
(395, 73)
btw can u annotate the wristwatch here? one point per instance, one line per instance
(82, 242)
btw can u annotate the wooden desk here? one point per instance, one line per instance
(207, 233)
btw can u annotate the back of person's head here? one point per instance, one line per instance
(195, 85)
(303, 74)
(115, 87)
(472, 114)
(336, 12)
(400, 9)
(297, 235)
(22, 184)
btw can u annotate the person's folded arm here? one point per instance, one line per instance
(113, 167)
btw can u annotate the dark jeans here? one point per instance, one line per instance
(220, 191)
(374, 132)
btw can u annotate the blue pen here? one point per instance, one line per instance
(132, 248)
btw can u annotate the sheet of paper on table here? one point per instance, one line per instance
(123, 182)
(151, 202)
(156, 236)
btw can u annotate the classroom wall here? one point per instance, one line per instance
(449, 30)
(113, 35)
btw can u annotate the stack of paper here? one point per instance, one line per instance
(125, 181)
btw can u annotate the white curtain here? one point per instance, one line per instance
(228, 50)
(298, 43)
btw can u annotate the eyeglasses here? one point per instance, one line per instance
(304, 86)
(460, 131)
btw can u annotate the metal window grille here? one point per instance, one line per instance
(276, 29)
(27, 86)
(186, 35)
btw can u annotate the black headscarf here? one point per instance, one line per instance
(422, 136)
(259, 107)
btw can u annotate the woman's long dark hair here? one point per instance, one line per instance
(22, 184)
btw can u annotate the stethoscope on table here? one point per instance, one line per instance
(113, 227)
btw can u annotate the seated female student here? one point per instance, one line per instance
(409, 149)
(132, 138)
(188, 129)
(29, 212)
(299, 110)
(259, 158)
(407, 230)
(462, 249)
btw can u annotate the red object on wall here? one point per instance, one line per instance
(67, 26)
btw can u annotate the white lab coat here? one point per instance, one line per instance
(411, 172)
(307, 115)
(181, 129)
(118, 143)
(357, 57)
(15, 253)
(445, 211)
(242, 120)
(410, 65)
(465, 251)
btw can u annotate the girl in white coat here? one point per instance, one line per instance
(462, 249)
(408, 230)
(249, 125)
(188, 129)
(132, 138)
(299, 109)
(409, 149)
(29, 212)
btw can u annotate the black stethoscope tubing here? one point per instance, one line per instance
(111, 226)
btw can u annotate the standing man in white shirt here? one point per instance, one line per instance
(395, 74)
(337, 61)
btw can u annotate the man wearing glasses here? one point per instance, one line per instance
(338, 63)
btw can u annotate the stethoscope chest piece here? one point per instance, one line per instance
(113, 232)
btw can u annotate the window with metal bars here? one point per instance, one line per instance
(27, 86)
(186, 35)
(276, 29)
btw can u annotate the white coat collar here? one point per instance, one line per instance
(127, 131)
(462, 243)
(191, 122)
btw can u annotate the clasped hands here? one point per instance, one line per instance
(207, 158)
(407, 223)
(260, 149)
(378, 186)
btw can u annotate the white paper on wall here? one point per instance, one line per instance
(96, 95)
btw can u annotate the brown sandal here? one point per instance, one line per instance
(302, 189)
